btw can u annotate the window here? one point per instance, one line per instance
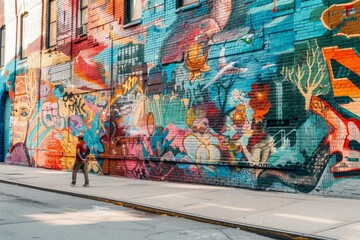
(133, 10)
(183, 3)
(155, 3)
(24, 36)
(51, 41)
(2, 46)
(83, 17)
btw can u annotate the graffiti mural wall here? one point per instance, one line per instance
(255, 94)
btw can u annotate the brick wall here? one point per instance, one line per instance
(255, 94)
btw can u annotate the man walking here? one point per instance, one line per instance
(80, 161)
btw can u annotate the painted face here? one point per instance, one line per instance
(21, 117)
(21, 111)
(201, 125)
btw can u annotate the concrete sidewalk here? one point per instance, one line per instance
(280, 215)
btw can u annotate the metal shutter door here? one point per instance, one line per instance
(7, 114)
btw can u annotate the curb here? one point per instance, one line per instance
(264, 231)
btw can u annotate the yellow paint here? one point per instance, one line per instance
(195, 61)
(46, 59)
(122, 89)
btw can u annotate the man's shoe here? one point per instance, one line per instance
(72, 184)
(86, 185)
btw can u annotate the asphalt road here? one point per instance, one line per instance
(32, 214)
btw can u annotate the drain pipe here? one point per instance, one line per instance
(16, 39)
(15, 63)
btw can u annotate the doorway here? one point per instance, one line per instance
(6, 123)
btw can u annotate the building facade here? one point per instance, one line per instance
(257, 94)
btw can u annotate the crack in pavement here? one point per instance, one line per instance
(22, 222)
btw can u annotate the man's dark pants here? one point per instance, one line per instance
(84, 167)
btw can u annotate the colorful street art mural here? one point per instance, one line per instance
(256, 94)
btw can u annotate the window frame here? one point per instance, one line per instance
(2, 46)
(81, 22)
(129, 19)
(23, 39)
(49, 33)
(180, 3)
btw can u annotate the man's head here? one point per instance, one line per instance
(80, 137)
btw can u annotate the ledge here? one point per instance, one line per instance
(80, 38)
(133, 23)
(50, 49)
(188, 7)
(21, 60)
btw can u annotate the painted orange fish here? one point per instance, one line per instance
(343, 18)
